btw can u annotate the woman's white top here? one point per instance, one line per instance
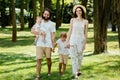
(77, 35)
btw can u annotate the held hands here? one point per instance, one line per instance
(67, 45)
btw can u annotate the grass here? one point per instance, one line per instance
(17, 60)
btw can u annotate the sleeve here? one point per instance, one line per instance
(35, 27)
(53, 28)
(58, 41)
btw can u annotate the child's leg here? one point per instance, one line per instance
(65, 60)
(60, 67)
(60, 63)
(64, 68)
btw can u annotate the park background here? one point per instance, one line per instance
(17, 52)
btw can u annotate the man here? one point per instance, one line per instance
(44, 45)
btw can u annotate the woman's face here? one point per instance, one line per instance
(78, 12)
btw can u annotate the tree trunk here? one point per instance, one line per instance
(58, 14)
(34, 10)
(47, 4)
(22, 14)
(101, 16)
(118, 20)
(3, 14)
(10, 13)
(96, 28)
(14, 32)
(84, 2)
(41, 6)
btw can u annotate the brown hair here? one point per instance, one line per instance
(83, 13)
(63, 34)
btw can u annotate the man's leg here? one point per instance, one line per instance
(39, 55)
(38, 67)
(48, 57)
(64, 68)
(49, 64)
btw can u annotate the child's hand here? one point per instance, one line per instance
(53, 50)
(67, 45)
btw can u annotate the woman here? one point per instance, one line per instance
(76, 39)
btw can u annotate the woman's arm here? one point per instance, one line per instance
(85, 33)
(69, 33)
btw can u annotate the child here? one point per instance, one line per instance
(36, 26)
(63, 52)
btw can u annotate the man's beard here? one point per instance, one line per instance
(45, 18)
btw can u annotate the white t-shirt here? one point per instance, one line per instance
(48, 27)
(62, 47)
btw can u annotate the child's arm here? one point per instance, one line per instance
(33, 31)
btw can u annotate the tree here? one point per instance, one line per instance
(41, 6)
(101, 18)
(34, 10)
(59, 12)
(2, 13)
(118, 19)
(47, 4)
(84, 2)
(22, 14)
(14, 32)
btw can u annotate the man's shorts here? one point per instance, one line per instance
(40, 51)
(63, 58)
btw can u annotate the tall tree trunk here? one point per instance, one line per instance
(10, 13)
(3, 14)
(14, 32)
(47, 4)
(113, 15)
(84, 2)
(34, 10)
(58, 14)
(101, 16)
(22, 14)
(41, 6)
(118, 20)
(96, 28)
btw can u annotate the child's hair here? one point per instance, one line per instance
(38, 17)
(63, 34)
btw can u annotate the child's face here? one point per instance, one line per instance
(38, 20)
(63, 38)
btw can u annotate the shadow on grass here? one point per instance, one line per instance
(21, 41)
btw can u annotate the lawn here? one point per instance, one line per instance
(18, 62)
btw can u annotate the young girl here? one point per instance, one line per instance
(63, 52)
(76, 39)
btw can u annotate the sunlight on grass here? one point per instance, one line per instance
(18, 61)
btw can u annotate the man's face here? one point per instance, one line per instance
(46, 15)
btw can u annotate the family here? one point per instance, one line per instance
(73, 42)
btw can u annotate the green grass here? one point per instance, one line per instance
(18, 62)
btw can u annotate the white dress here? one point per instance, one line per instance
(76, 44)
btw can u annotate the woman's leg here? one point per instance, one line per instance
(73, 53)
